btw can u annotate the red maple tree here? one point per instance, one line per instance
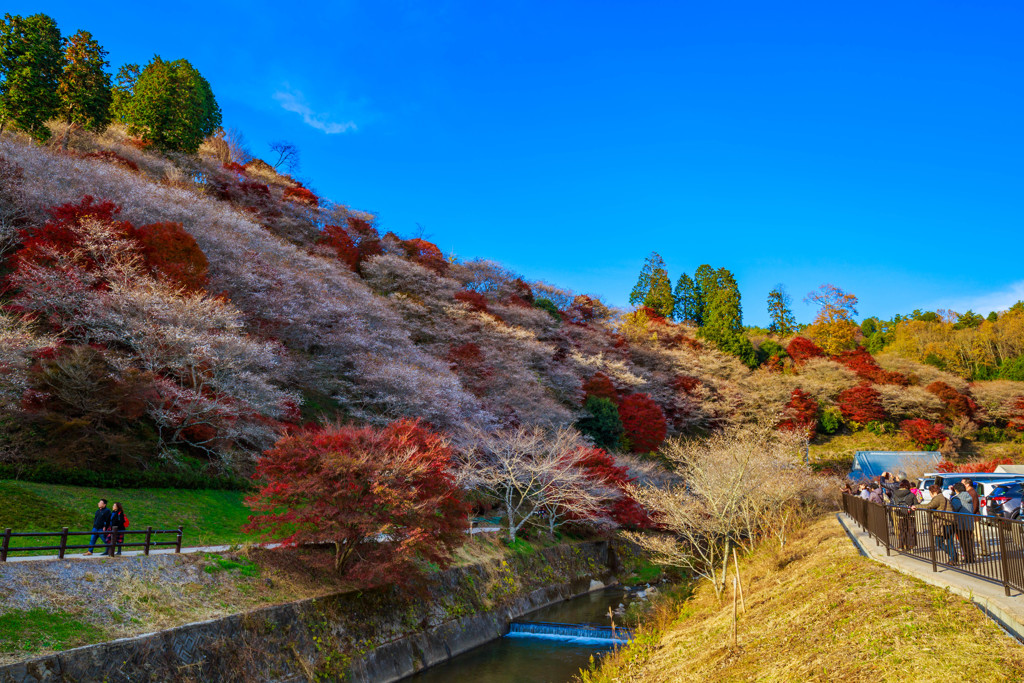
(861, 403)
(624, 510)
(802, 349)
(426, 254)
(475, 300)
(864, 364)
(801, 413)
(643, 423)
(925, 434)
(384, 497)
(956, 403)
(600, 385)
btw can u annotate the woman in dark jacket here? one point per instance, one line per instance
(117, 524)
(905, 518)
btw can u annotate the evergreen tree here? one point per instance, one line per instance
(653, 288)
(172, 106)
(30, 67)
(84, 87)
(723, 317)
(124, 88)
(705, 283)
(603, 425)
(779, 302)
(687, 299)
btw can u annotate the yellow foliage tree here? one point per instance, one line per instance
(833, 329)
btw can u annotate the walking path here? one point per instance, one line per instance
(990, 597)
(170, 551)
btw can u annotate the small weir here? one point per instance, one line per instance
(579, 634)
(550, 645)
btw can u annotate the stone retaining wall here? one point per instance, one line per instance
(375, 636)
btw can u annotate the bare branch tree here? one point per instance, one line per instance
(287, 155)
(533, 471)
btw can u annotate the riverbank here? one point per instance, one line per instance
(369, 635)
(817, 611)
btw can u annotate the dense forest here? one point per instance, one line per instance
(174, 305)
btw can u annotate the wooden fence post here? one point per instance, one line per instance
(63, 542)
(177, 547)
(5, 545)
(149, 535)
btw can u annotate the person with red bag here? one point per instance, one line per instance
(118, 523)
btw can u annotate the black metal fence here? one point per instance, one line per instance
(990, 548)
(107, 540)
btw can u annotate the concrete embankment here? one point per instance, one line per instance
(379, 636)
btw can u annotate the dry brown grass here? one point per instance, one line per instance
(819, 611)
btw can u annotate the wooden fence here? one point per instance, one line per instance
(106, 540)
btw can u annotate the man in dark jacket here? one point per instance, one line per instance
(100, 522)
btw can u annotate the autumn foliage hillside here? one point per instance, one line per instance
(212, 306)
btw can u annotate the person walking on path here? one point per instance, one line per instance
(942, 525)
(100, 523)
(118, 523)
(961, 503)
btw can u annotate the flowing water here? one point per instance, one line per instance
(538, 650)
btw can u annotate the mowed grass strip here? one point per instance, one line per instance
(36, 630)
(818, 611)
(210, 517)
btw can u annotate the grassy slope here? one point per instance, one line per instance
(819, 611)
(209, 517)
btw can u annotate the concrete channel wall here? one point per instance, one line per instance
(368, 637)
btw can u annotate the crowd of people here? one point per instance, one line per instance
(950, 530)
(108, 525)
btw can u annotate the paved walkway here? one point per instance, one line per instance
(989, 596)
(170, 551)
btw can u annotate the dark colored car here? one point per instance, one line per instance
(1005, 500)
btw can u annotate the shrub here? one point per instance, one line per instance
(925, 434)
(426, 254)
(643, 423)
(474, 300)
(861, 404)
(173, 253)
(349, 485)
(624, 510)
(831, 420)
(769, 349)
(603, 425)
(862, 363)
(974, 465)
(112, 157)
(600, 385)
(957, 404)
(801, 349)
(336, 238)
(549, 306)
(801, 414)
(301, 195)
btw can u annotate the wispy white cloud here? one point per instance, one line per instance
(294, 101)
(999, 300)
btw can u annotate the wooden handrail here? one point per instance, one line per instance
(6, 548)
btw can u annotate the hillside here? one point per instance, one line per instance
(219, 303)
(817, 611)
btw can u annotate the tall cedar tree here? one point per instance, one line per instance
(352, 486)
(84, 88)
(173, 106)
(31, 62)
(779, 309)
(653, 288)
(705, 283)
(833, 329)
(643, 423)
(122, 91)
(723, 318)
(687, 301)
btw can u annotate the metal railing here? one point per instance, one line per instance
(990, 548)
(107, 540)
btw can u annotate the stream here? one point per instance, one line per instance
(524, 657)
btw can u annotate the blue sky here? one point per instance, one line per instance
(873, 145)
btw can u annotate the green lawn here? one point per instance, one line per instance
(209, 517)
(30, 631)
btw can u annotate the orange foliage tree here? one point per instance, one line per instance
(833, 328)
